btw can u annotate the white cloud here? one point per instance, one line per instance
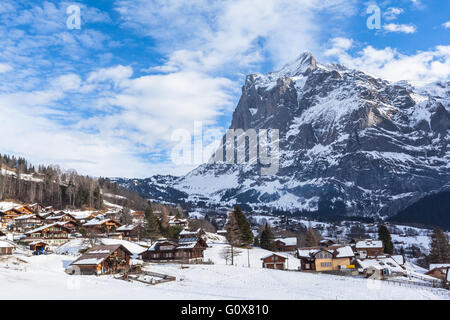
(446, 25)
(214, 35)
(4, 67)
(402, 28)
(338, 46)
(420, 68)
(392, 13)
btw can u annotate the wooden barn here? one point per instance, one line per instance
(274, 261)
(103, 259)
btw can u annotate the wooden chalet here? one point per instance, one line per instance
(174, 221)
(190, 249)
(325, 259)
(15, 212)
(102, 226)
(187, 249)
(138, 214)
(368, 248)
(62, 217)
(286, 244)
(52, 234)
(26, 222)
(6, 248)
(131, 231)
(274, 261)
(102, 259)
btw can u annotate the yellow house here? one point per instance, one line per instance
(325, 259)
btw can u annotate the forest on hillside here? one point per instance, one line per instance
(51, 186)
(432, 210)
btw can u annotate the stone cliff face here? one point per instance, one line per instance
(346, 140)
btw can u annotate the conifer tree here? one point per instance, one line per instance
(246, 233)
(151, 224)
(439, 247)
(267, 239)
(385, 236)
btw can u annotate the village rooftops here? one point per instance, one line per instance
(369, 243)
(98, 254)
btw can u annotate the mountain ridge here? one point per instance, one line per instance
(345, 138)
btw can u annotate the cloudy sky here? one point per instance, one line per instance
(106, 99)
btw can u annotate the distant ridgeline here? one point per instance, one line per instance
(51, 186)
(431, 210)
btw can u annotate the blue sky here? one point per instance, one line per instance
(107, 98)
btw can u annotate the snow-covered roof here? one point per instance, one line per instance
(344, 252)
(292, 241)
(61, 224)
(127, 227)
(439, 266)
(95, 222)
(4, 244)
(381, 263)
(307, 252)
(25, 217)
(369, 243)
(399, 259)
(90, 261)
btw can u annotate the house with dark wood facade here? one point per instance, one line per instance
(52, 234)
(368, 248)
(274, 261)
(186, 249)
(102, 259)
(102, 226)
(26, 223)
(131, 231)
(286, 244)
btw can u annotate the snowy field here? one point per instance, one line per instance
(43, 277)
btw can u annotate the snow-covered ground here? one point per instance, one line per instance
(43, 277)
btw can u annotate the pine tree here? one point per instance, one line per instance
(246, 233)
(267, 239)
(151, 224)
(439, 247)
(233, 234)
(385, 236)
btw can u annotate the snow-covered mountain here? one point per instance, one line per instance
(349, 142)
